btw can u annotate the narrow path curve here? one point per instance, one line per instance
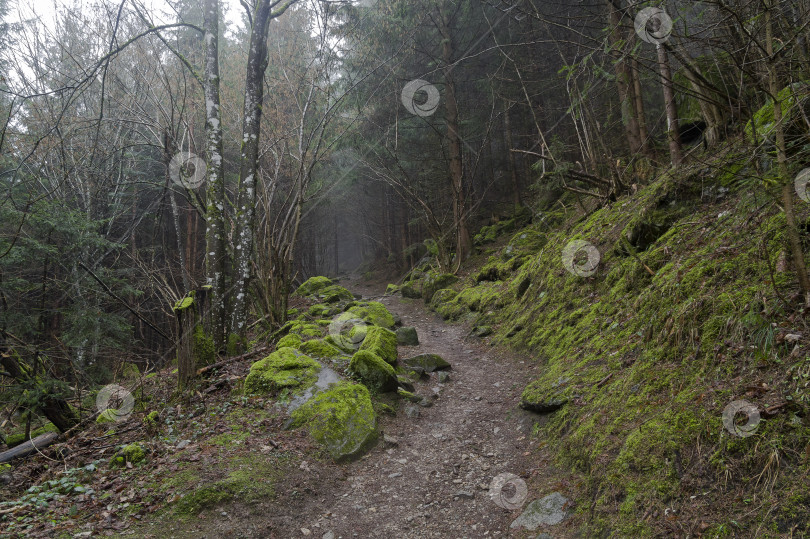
(432, 482)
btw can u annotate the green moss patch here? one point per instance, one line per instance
(375, 373)
(342, 419)
(284, 369)
(381, 342)
(319, 348)
(373, 312)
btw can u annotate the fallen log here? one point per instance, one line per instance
(31, 446)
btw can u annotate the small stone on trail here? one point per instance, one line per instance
(394, 475)
(412, 411)
(546, 511)
(328, 535)
(443, 377)
(183, 444)
(306, 531)
(477, 397)
(390, 440)
(465, 494)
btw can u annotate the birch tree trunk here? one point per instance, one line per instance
(245, 213)
(215, 251)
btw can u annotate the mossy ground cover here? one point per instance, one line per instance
(653, 347)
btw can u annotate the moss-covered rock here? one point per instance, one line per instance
(319, 348)
(373, 312)
(313, 285)
(427, 362)
(411, 290)
(407, 336)
(109, 415)
(392, 289)
(434, 281)
(335, 294)
(293, 340)
(342, 419)
(544, 398)
(375, 373)
(445, 295)
(132, 453)
(284, 369)
(382, 342)
(301, 328)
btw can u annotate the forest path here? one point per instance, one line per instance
(432, 481)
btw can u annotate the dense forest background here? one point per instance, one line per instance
(146, 152)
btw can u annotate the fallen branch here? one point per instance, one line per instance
(31, 446)
(230, 360)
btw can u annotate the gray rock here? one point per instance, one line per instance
(183, 444)
(405, 384)
(406, 336)
(394, 475)
(428, 362)
(482, 331)
(464, 494)
(543, 399)
(397, 320)
(547, 511)
(412, 411)
(425, 402)
(408, 290)
(443, 377)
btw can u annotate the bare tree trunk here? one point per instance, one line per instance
(215, 250)
(781, 158)
(195, 347)
(249, 166)
(510, 156)
(456, 167)
(643, 133)
(673, 134)
(624, 79)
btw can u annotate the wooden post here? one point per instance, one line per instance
(195, 347)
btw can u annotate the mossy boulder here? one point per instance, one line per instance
(342, 419)
(407, 336)
(335, 294)
(109, 415)
(762, 124)
(373, 312)
(313, 285)
(284, 369)
(527, 241)
(302, 329)
(375, 373)
(382, 342)
(411, 290)
(322, 310)
(392, 289)
(445, 295)
(132, 453)
(293, 340)
(543, 397)
(427, 362)
(319, 348)
(436, 281)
